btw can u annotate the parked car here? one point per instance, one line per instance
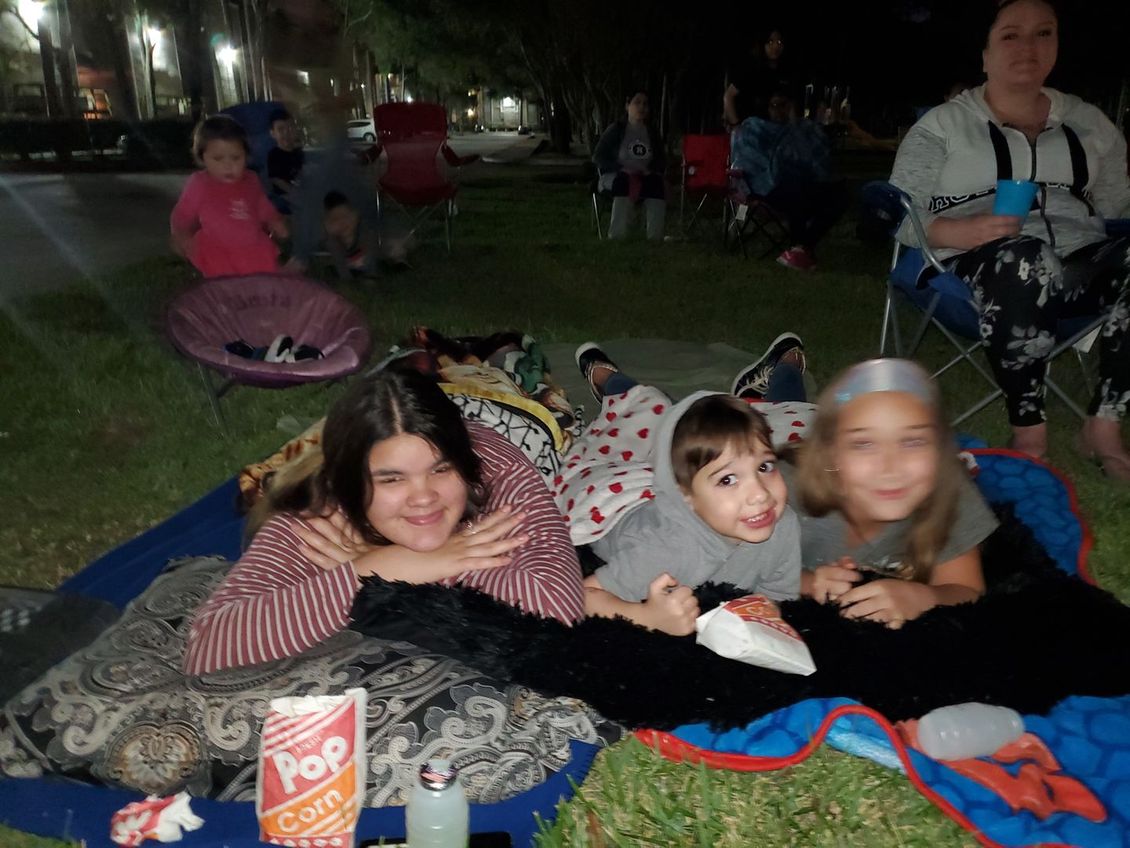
(361, 130)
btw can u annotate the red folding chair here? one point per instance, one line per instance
(413, 136)
(706, 162)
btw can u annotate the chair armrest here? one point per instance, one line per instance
(454, 159)
(919, 231)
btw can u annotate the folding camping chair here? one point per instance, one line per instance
(946, 303)
(751, 218)
(413, 136)
(203, 320)
(705, 172)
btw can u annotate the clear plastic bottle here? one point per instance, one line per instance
(437, 814)
(962, 731)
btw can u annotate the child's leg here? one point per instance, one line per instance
(617, 383)
(786, 383)
(623, 211)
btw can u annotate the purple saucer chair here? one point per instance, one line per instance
(256, 309)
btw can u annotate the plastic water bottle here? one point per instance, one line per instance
(437, 813)
(968, 730)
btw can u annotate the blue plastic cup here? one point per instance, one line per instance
(1014, 197)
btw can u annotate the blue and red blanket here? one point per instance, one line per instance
(1089, 738)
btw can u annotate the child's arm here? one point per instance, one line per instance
(273, 220)
(184, 220)
(669, 607)
(895, 602)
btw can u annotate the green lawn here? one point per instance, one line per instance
(104, 431)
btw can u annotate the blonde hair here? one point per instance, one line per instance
(707, 428)
(819, 489)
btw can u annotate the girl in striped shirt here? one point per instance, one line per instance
(403, 489)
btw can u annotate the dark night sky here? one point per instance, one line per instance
(900, 53)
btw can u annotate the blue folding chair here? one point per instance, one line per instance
(255, 118)
(946, 303)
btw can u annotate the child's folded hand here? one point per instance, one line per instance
(670, 607)
(892, 602)
(829, 582)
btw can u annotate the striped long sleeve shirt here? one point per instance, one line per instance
(275, 603)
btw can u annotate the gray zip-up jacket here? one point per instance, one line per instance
(951, 159)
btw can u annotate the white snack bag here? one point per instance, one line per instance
(750, 629)
(311, 782)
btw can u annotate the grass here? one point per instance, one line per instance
(104, 432)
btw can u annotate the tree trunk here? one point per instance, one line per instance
(560, 123)
(193, 59)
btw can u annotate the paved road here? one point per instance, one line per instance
(57, 228)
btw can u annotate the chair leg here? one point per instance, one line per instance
(596, 215)
(448, 215)
(214, 398)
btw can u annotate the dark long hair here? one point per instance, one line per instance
(390, 402)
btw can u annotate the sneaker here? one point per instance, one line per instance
(590, 356)
(798, 259)
(752, 383)
(279, 349)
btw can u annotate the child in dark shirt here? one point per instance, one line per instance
(285, 161)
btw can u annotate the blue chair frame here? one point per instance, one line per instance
(946, 303)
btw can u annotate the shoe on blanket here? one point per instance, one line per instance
(752, 382)
(589, 357)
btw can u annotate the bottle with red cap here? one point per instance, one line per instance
(437, 814)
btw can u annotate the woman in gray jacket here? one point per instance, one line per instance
(1027, 273)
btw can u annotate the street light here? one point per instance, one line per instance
(227, 55)
(31, 11)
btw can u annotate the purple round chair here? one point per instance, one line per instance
(256, 309)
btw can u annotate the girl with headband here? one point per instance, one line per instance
(890, 522)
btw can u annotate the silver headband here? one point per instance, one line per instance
(884, 375)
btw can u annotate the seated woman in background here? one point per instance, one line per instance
(787, 164)
(1029, 272)
(631, 159)
(403, 489)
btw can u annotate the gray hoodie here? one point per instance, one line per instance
(950, 161)
(665, 534)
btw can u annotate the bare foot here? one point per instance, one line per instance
(1101, 441)
(1032, 440)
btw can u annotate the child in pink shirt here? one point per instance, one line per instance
(223, 221)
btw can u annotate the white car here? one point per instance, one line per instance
(361, 130)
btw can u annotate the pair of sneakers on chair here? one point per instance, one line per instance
(281, 349)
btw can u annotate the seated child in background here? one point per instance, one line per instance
(285, 160)
(716, 510)
(880, 490)
(223, 222)
(352, 246)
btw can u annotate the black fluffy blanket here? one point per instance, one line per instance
(1036, 637)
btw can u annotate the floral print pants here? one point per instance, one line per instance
(1022, 290)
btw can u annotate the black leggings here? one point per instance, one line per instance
(651, 186)
(1022, 290)
(811, 208)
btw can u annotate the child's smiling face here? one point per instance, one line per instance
(740, 495)
(887, 453)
